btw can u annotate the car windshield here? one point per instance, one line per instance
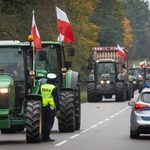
(145, 97)
(11, 61)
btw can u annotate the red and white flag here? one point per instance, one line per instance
(121, 52)
(64, 27)
(36, 36)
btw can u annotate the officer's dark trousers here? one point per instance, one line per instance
(48, 116)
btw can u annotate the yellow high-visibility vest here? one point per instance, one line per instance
(46, 92)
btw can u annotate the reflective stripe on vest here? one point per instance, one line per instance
(46, 92)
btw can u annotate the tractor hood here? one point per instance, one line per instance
(5, 80)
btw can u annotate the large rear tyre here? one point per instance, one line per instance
(66, 120)
(91, 92)
(34, 122)
(120, 92)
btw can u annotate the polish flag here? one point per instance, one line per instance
(121, 52)
(64, 27)
(35, 34)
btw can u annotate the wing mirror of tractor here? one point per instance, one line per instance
(71, 51)
(42, 55)
(68, 64)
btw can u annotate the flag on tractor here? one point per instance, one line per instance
(143, 64)
(121, 52)
(36, 36)
(64, 27)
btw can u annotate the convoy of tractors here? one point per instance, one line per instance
(22, 72)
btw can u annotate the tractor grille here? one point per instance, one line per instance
(4, 101)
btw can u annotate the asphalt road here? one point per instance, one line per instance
(104, 126)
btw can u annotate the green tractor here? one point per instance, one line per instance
(52, 60)
(20, 81)
(19, 107)
(108, 76)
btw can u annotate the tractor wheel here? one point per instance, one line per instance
(33, 121)
(120, 92)
(77, 108)
(66, 120)
(91, 92)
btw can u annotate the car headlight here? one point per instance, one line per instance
(4, 90)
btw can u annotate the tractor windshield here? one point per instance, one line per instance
(50, 63)
(106, 68)
(11, 61)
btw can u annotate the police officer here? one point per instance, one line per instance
(50, 98)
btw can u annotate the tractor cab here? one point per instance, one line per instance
(13, 74)
(106, 71)
(51, 59)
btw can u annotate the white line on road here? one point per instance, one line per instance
(85, 130)
(93, 126)
(74, 136)
(61, 143)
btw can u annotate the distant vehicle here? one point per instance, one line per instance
(140, 114)
(138, 78)
(109, 75)
(146, 75)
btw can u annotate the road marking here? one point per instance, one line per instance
(93, 126)
(85, 130)
(100, 122)
(61, 143)
(74, 136)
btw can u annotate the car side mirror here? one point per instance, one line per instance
(42, 55)
(131, 103)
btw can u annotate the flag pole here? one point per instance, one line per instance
(33, 58)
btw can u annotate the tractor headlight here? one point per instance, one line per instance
(4, 90)
(134, 82)
(107, 81)
(102, 82)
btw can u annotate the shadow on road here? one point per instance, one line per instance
(12, 142)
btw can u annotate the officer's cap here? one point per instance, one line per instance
(51, 76)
